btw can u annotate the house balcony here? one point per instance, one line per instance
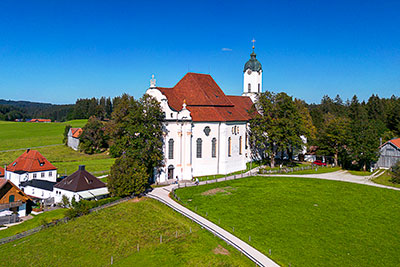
(11, 205)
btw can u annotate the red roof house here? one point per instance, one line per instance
(30, 161)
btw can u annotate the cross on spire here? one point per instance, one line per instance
(253, 41)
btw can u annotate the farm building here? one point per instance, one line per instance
(73, 137)
(40, 120)
(80, 185)
(389, 154)
(12, 201)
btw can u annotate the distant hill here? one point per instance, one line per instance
(11, 110)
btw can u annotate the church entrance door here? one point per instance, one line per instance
(170, 172)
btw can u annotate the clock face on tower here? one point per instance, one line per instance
(249, 72)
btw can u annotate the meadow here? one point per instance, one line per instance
(305, 222)
(116, 232)
(47, 138)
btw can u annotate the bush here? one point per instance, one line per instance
(396, 173)
(84, 206)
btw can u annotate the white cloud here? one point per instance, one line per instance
(226, 49)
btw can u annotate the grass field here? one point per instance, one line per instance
(16, 135)
(91, 241)
(318, 170)
(305, 222)
(36, 221)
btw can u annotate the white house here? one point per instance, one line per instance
(205, 131)
(80, 185)
(29, 166)
(73, 137)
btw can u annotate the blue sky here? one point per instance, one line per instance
(58, 51)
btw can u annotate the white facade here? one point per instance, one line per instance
(87, 194)
(17, 178)
(72, 141)
(252, 83)
(37, 192)
(186, 162)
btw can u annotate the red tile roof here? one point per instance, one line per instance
(205, 100)
(30, 161)
(76, 132)
(1, 172)
(395, 142)
(40, 120)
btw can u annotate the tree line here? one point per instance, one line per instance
(350, 132)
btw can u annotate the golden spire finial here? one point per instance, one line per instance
(253, 41)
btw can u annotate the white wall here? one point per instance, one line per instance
(37, 192)
(16, 178)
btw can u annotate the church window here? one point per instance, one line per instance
(240, 145)
(229, 147)
(214, 147)
(172, 115)
(249, 89)
(171, 148)
(259, 88)
(199, 143)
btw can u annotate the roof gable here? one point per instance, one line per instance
(21, 194)
(76, 132)
(30, 161)
(396, 142)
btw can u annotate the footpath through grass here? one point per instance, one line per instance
(305, 222)
(36, 221)
(116, 231)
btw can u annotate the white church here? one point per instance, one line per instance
(205, 131)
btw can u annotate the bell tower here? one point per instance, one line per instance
(252, 77)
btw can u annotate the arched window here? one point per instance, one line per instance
(240, 145)
(249, 87)
(171, 148)
(229, 147)
(259, 88)
(198, 146)
(214, 147)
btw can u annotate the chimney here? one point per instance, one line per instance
(27, 151)
(81, 167)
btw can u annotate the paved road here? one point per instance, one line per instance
(337, 176)
(162, 194)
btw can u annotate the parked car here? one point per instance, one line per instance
(319, 163)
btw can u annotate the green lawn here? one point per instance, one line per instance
(21, 134)
(318, 170)
(25, 134)
(360, 173)
(385, 179)
(36, 221)
(91, 241)
(306, 222)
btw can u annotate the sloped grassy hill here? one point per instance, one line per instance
(91, 241)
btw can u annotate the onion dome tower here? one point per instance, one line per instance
(252, 80)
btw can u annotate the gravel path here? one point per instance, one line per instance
(338, 176)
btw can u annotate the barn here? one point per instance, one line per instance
(389, 154)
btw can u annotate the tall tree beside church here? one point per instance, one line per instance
(127, 176)
(136, 130)
(276, 127)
